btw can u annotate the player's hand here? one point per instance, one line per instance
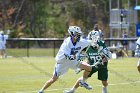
(72, 57)
(137, 53)
(106, 53)
(104, 59)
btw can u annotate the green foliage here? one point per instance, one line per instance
(31, 52)
(50, 18)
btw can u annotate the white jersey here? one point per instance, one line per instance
(3, 39)
(69, 48)
(138, 41)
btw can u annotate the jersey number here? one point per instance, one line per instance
(96, 58)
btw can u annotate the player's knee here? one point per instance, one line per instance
(105, 83)
(94, 69)
(53, 79)
(138, 67)
(85, 66)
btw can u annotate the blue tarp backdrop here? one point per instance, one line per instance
(138, 29)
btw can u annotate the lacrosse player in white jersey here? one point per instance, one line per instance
(137, 53)
(67, 56)
(3, 39)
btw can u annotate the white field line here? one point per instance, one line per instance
(125, 83)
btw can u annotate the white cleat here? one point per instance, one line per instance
(69, 91)
(40, 92)
(85, 85)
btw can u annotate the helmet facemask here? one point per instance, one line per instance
(75, 32)
(95, 39)
(77, 37)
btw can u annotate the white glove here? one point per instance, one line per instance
(137, 53)
(105, 52)
(8, 32)
(70, 57)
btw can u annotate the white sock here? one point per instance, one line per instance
(73, 89)
(104, 90)
(84, 79)
(41, 90)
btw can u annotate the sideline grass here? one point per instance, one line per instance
(27, 75)
(32, 52)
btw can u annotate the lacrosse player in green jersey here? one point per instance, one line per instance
(98, 56)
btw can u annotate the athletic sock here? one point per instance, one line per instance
(73, 89)
(83, 79)
(104, 90)
(41, 90)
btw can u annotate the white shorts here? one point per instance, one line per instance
(2, 45)
(138, 64)
(62, 66)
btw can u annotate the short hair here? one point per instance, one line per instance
(96, 25)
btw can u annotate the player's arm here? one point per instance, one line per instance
(137, 51)
(105, 52)
(65, 50)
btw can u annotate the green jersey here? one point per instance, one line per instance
(93, 57)
(93, 53)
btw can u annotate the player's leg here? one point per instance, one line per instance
(138, 66)
(86, 75)
(3, 53)
(89, 70)
(52, 79)
(104, 88)
(103, 76)
(73, 89)
(0, 53)
(49, 83)
(80, 82)
(82, 66)
(2, 47)
(60, 69)
(85, 66)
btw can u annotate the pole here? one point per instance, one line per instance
(121, 15)
(54, 48)
(27, 48)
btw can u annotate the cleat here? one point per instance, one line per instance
(40, 92)
(69, 91)
(85, 85)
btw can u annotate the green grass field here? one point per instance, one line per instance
(28, 75)
(32, 52)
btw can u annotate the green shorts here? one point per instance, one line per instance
(102, 72)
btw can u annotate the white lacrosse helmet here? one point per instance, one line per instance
(1, 32)
(74, 30)
(95, 37)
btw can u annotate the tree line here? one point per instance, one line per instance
(51, 18)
